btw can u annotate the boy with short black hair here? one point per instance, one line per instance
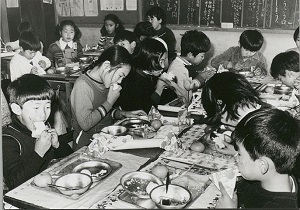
(29, 145)
(267, 141)
(126, 39)
(285, 67)
(246, 56)
(157, 17)
(194, 45)
(29, 59)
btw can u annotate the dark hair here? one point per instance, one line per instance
(29, 87)
(226, 92)
(124, 35)
(24, 26)
(251, 40)
(195, 42)
(115, 54)
(147, 55)
(144, 29)
(29, 41)
(114, 18)
(64, 23)
(296, 34)
(284, 61)
(272, 133)
(157, 12)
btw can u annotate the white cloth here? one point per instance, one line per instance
(179, 70)
(64, 44)
(19, 65)
(16, 47)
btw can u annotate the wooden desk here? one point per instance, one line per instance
(65, 83)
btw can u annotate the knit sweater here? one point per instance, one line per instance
(19, 65)
(56, 53)
(20, 161)
(90, 109)
(233, 55)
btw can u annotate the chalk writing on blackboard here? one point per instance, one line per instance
(232, 12)
(189, 12)
(283, 16)
(210, 12)
(254, 11)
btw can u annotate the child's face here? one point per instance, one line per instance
(29, 54)
(116, 75)
(127, 45)
(246, 53)
(67, 33)
(164, 61)
(110, 26)
(155, 23)
(288, 79)
(248, 168)
(195, 60)
(34, 111)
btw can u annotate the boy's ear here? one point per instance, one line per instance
(15, 108)
(264, 165)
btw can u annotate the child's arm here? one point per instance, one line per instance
(18, 67)
(225, 201)
(261, 66)
(224, 59)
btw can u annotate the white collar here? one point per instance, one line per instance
(184, 61)
(64, 44)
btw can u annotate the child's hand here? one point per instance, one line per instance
(190, 84)
(229, 65)
(257, 71)
(113, 94)
(238, 67)
(228, 150)
(161, 85)
(207, 74)
(225, 201)
(42, 64)
(34, 70)
(9, 48)
(54, 138)
(43, 144)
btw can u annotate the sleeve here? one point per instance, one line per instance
(79, 50)
(180, 72)
(171, 43)
(50, 54)
(14, 45)
(82, 104)
(17, 68)
(101, 42)
(262, 64)
(224, 58)
(15, 169)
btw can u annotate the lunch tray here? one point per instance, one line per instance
(63, 168)
(185, 171)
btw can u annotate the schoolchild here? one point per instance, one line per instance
(29, 59)
(29, 145)
(246, 56)
(67, 49)
(126, 39)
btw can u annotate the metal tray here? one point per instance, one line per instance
(76, 161)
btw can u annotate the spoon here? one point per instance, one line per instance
(167, 182)
(66, 188)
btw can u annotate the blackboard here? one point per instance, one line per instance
(281, 14)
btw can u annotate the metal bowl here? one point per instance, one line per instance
(134, 123)
(135, 183)
(80, 182)
(98, 170)
(282, 89)
(62, 70)
(246, 73)
(177, 196)
(115, 130)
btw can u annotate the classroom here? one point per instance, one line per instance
(154, 104)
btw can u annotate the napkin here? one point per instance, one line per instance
(154, 114)
(228, 179)
(102, 143)
(173, 144)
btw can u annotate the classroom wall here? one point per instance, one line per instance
(221, 40)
